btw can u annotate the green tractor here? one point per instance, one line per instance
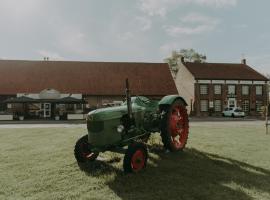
(113, 128)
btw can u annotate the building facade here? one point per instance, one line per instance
(211, 87)
(42, 89)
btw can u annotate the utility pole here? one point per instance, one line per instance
(267, 105)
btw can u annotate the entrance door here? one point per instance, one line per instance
(231, 103)
(47, 110)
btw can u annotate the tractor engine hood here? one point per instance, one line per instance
(117, 112)
(104, 114)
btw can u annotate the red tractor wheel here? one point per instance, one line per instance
(174, 126)
(135, 158)
(82, 150)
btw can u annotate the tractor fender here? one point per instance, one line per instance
(168, 100)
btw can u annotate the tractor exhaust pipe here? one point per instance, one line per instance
(129, 108)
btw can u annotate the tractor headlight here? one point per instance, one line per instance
(120, 128)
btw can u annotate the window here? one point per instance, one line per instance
(204, 89)
(259, 105)
(3, 107)
(231, 89)
(217, 105)
(245, 90)
(259, 90)
(245, 105)
(204, 105)
(70, 107)
(78, 106)
(217, 89)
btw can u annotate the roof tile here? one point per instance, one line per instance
(91, 78)
(226, 71)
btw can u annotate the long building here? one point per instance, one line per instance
(42, 89)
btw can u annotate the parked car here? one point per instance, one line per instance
(233, 112)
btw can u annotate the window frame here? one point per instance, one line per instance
(248, 91)
(244, 105)
(207, 89)
(257, 86)
(207, 105)
(220, 106)
(216, 85)
(256, 106)
(234, 89)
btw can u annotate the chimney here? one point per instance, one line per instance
(244, 61)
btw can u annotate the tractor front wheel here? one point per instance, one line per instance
(82, 151)
(135, 158)
(175, 126)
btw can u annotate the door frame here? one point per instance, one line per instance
(47, 110)
(230, 100)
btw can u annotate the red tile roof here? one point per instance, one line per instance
(223, 71)
(91, 78)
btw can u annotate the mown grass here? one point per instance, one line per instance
(220, 162)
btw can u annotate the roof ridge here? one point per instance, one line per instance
(215, 63)
(78, 61)
(223, 71)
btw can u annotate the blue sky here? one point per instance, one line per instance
(136, 30)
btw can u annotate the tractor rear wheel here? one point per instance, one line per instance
(174, 126)
(82, 150)
(135, 158)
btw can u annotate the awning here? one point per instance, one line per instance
(69, 100)
(21, 99)
(65, 100)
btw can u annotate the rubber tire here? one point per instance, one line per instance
(132, 148)
(78, 150)
(165, 134)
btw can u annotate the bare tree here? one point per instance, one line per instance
(189, 55)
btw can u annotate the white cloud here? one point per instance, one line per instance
(242, 26)
(191, 24)
(18, 10)
(167, 48)
(155, 7)
(144, 23)
(260, 62)
(215, 3)
(125, 36)
(161, 7)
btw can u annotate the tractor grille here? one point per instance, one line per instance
(95, 126)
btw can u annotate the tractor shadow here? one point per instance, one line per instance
(191, 175)
(99, 167)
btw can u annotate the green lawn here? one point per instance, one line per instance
(220, 162)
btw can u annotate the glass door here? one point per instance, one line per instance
(47, 110)
(231, 102)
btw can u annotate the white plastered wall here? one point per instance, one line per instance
(185, 83)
